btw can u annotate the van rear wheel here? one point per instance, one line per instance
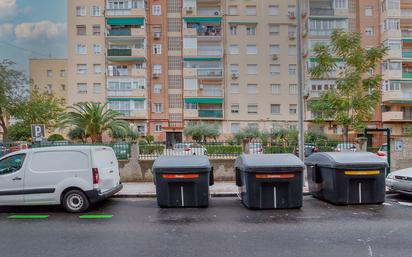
(75, 201)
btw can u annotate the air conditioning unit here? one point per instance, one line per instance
(156, 35)
(291, 14)
(275, 57)
(217, 13)
(189, 9)
(235, 75)
(156, 75)
(292, 35)
(201, 86)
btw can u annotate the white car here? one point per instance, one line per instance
(74, 176)
(400, 181)
(345, 147)
(383, 151)
(189, 149)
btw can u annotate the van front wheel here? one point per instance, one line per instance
(75, 201)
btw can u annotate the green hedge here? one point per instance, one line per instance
(223, 149)
(373, 149)
(278, 149)
(151, 149)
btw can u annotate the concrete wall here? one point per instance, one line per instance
(401, 157)
(134, 170)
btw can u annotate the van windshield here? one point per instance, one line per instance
(11, 164)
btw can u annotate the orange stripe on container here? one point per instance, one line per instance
(171, 176)
(362, 172)
(262, 176)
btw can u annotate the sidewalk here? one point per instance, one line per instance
(148, 189)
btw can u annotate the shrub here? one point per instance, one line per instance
(151, 149)
(223, 149)
(56, 137)
(278, 149)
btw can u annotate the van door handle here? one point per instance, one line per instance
(16, 179)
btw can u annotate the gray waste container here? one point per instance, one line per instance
(347, 177)
(183, 181)
(270, 181)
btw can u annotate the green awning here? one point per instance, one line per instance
(242, 22)
(203, 100)
(202, 59)
(125, 21)
(407, 39)
(400, 101)
(124, 59)
(125, 99)
(203, 19)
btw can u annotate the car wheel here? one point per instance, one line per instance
(75, 201)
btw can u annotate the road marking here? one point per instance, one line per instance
(28, 216)
(104, 216)
(182, 195)
(274, 198)
(360, 192)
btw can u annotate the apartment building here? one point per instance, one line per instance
(396, 20)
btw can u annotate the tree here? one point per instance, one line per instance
(12, 83)
(19, 132)
(357, 93)
(202, 131)
(77, 133)
(43, 108)
(55, 137)
(95, 119)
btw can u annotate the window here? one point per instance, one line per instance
(49, 73)
(340, 4)
(292, 50)
(62, 73)
(232, 10)
(293, 89)
(157, 49)
(81, 49)
(292, 69)
(81, 30)
(158, 127)
(274, 49)
(157, 108)
(157, 69)
(97, 68)
(157, 88)
(274, 69)
(81, 69)
(251, 49)
(252, 69)
(275, 108)
(156, 10)
(369, 31)
(234, 49)
(368, 11)
(251, 10)
(234, 88)
(233, 30)
(235, 127)
(252, 108)
(273, 10)
(97, 88)
(275, 89)
(274, 29)
(95, 11)
(251, 30)
(97, 49)
(96, 30)
(234, 108)
(252, 89)
(80, 11)
(12, 164)
(82, 88)
(293, 109)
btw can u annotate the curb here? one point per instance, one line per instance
(153, 195)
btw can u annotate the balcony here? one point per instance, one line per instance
(407, 54)
(127, 32)
(119, 52)
(392, 116)
(210, 73)
(134, 54)
(406, 13)
(406, 33)
(211, 114)
(322, 11)
(205, 92)
(126, 92)
(122, 12)
(406, 75)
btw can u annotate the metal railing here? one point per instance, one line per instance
(211, 113)
(322, 12)
(119, 52)
(210, 73)
(119, 32)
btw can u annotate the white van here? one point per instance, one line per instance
(74, 176)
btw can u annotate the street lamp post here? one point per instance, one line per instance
(300, 81)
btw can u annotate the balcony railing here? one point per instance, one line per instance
(406, 12)
(406, 75)
(216, 52)
(210, 73)
(211, 113)
(119, 52)
(407, 54)
(119, 32)
(406, 33)
(119, 92)
(212, 92)
(322, 12)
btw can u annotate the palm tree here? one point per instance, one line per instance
(95, 119)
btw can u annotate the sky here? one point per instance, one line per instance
(32, 29)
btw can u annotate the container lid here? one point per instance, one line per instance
(269, 163)
(182, 164)
(346, 160)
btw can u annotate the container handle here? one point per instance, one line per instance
(211, 177)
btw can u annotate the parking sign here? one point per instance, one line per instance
(38, 132)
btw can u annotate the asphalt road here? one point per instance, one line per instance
(226, 228)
